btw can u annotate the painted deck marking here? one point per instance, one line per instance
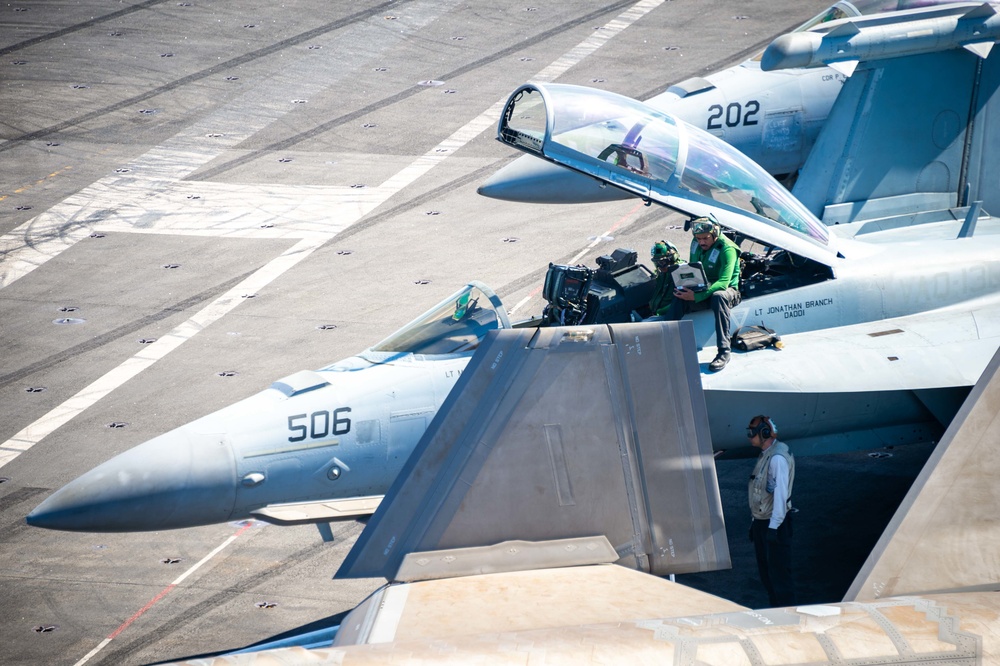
(150, 354)
(117, 200)
(174, 162)
(164, 592)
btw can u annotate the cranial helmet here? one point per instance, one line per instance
(664, 249)
(705, 225)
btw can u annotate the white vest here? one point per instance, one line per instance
(761, 501)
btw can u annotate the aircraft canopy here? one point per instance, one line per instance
(455, 325)
(655, 156)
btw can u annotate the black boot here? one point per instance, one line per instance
(720, 360)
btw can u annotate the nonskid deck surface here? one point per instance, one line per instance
(271, 189)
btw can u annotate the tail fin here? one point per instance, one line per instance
(556, 436)
(916, 125)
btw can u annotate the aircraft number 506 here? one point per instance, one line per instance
(733, 115)
(319, 424)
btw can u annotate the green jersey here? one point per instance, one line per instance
(721, 262)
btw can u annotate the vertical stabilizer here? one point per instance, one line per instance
(557, 434)
(915, 127)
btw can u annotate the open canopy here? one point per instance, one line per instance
(655, 156)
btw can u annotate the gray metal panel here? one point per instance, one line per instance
(506, 556)
(561, 433)
(983, 153)
(692, 86)
(677, 469)
(899, 210)
(300, 382)
(357, 625)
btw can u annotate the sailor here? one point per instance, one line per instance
(665, 256)
(719, 257)
(770, 492)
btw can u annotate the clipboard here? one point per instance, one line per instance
(689, 276)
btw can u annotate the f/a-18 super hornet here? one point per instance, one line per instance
(771, 116)
(881, 274)
(525, 527)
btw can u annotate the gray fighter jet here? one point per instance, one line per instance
(771, 116)
(525, 526)
(888, 319)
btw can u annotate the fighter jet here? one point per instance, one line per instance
(290, 452)
(771, 116)
(887, 321)
(525, 528)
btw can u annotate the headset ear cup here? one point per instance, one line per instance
(766, 429)
(763, 429)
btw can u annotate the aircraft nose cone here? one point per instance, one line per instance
(175, 480)
(532, 180)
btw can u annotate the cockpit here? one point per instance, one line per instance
(658, 158)
(453, 326)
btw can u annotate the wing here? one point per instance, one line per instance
(591, 431)
(520, 601)
(941, 348)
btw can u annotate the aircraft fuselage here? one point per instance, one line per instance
(346, 430)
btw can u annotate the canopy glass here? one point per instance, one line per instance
(455, 325)
(654, 155)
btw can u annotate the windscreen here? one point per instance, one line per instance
(455, 325)
(838, 11)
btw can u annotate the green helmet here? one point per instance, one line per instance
(664, 250)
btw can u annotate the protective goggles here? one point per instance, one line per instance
(703, 226)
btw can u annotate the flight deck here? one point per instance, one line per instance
(200, 198)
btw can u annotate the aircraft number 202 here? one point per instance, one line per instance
(733, 115)
(319, 424)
